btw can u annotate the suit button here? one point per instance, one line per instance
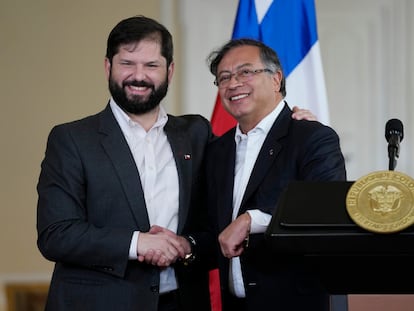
(155, 289)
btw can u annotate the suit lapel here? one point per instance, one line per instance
(181, 148)
(268, 153)
(115, 145)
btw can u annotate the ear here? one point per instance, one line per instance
(277, 80)
(170, 72)
(107, 65)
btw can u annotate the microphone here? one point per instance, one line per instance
(394, 134)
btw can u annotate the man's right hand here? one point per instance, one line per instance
(160, 247)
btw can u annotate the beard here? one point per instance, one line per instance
(137, 104)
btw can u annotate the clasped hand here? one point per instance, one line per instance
(161, 247)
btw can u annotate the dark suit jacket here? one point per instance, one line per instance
(91, 201)
(292, 150)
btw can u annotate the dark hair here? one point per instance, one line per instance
(135, 29)
(268, 57)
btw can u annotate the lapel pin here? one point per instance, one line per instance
(187, 156)
(271, 152)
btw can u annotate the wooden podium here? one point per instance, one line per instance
(311, 220)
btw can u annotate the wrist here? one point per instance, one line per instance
(248, 219)
(249, 222)
(190, 257)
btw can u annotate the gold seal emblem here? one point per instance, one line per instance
(382, 202)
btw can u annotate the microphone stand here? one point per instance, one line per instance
(393, 155)
(392, 164)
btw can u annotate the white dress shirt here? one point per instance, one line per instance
(247, 149)
(159, 178)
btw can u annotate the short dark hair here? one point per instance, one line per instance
(135, 29)
(267, 55)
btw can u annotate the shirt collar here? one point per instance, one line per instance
(125, 121)
(263, 126)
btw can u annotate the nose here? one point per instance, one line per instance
(138, 73)
(234, 80)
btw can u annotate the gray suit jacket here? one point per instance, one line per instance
(91, 201)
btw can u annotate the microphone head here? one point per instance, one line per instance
(394, 127)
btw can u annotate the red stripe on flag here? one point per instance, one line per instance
(215, 295)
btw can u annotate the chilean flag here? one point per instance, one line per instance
(289, 27)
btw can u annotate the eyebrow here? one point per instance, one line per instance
(237, 68)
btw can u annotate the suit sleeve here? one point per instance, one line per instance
(65, 233)
(321, 157)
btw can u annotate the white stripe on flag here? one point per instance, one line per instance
(305, 85)
(261, 8)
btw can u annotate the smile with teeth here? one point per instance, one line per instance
(138, 89)
(240, 96)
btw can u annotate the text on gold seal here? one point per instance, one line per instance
(382, 201)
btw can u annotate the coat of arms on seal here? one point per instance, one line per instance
(382, 202)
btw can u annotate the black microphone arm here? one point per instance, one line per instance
(394, 134)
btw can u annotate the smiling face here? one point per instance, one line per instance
(138, 76)
(250, 101)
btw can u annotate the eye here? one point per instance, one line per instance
(126, 63)
(245, 72)
(153, 65)
(224, 78)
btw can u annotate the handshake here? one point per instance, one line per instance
(162, 247)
